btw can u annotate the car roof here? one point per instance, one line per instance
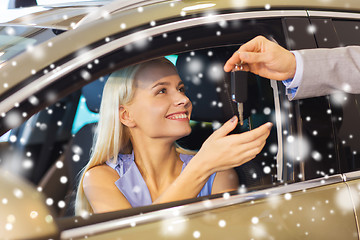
(68, 15)
(61, 17)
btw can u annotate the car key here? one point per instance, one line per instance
(239, 90)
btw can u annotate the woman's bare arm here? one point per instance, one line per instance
(225, 181)
(101, 191)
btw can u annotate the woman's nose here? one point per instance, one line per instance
(182, 99)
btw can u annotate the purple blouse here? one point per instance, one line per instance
(132, 184)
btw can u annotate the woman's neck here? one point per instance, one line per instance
(158, 162)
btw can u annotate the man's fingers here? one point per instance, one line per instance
(251, 57)
(241, 57)
(254, 45)
(231, 62)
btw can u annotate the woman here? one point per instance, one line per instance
(134, 162)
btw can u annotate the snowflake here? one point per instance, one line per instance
(311, 29)
(34, 100)
(267, 169)
(196, 234)
(287, 196)
(255, 220)
(13, 119)
(267, 110)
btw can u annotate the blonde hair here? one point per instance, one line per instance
(111, 136)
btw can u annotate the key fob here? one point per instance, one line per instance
(239, 86)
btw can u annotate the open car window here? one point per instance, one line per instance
(54, 145)
(51, 142)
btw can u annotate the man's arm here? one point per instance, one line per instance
(329, 70)
(322, 72)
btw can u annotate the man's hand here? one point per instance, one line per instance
(265, 58)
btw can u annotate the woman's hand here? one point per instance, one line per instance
(222, 151)
(219, 152)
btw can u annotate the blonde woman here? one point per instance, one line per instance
(134, 162)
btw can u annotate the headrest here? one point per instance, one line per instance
(93, 94)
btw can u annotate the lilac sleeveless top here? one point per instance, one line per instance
(132, 185)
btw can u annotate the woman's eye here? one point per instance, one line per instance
(162, 91)
(182, 89)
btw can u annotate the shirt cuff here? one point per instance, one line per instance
(293, 84)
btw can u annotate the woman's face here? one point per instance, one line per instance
(160, 108)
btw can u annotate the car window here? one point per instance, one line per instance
(67, 128)
(346, 106)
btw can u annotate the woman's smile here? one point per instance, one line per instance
(180, 116)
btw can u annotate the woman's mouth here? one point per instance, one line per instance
(177, 116)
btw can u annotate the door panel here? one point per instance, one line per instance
(319, 213)
(354, 187)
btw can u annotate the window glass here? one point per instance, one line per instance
(345, 107)
(5, 137)
(39, 142)
(309, 140)
(14, 40)
(83, 116)
(348, 32)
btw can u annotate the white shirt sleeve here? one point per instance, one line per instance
(292, 84)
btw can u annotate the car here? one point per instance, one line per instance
(305, 184)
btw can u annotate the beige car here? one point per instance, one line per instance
(53, 64)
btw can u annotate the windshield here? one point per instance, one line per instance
(15, 40)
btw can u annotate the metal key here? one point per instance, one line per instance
(240, 106)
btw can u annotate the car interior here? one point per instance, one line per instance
(59, 152)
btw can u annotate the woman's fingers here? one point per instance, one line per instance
(222, 151)
(225, 129)
(246, 137)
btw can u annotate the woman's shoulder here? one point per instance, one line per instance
(100, 190)
(103, 172)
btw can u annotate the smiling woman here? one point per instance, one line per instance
(135, 162)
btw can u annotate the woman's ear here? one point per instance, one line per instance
(125, 117)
